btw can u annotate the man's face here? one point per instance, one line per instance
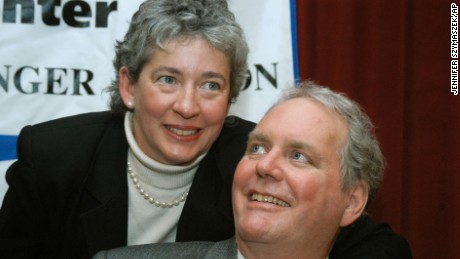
(287, 186)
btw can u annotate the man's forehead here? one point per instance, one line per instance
(302, 122)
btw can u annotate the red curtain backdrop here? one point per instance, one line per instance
(393, 57)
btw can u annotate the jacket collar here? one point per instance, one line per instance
(226, 248)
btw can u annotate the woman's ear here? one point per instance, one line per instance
(358, 196)
(126, 87)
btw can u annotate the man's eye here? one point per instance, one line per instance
(167, 80)
(256, 149)
(212, 86)
(299, 156)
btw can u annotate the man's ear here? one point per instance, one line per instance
(357, 196)
(126, 87)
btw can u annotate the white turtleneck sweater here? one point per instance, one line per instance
(148, 223)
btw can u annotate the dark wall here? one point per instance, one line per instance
(394, 58)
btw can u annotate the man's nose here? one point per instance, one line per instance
(269, 166)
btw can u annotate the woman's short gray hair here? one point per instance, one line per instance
(361, 157)
(158, 21)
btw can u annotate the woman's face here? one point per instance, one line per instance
(180, 100)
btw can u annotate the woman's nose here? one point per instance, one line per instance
(187, 103)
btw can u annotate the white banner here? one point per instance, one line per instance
(56, 59)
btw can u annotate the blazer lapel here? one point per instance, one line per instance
(209, 203)
(104, 207)
(205, 208)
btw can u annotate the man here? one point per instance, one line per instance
(311, 168)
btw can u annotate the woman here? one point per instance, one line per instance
(159, 166)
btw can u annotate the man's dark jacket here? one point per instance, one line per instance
(365, 239)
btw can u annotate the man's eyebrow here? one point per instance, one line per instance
(257, 136)
(300, 145)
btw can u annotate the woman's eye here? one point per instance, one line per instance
(212, 86)
(167, 80)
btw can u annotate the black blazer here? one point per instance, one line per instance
(67, 193)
